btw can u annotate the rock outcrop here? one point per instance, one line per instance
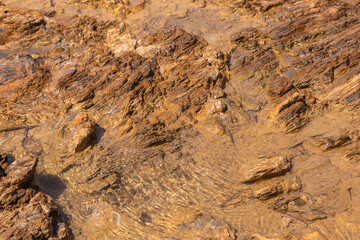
(267, 167)
(154, 135)
(79, 133)
(26, 213)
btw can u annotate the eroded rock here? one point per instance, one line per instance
(25, 212)
(308, 209)
(80, 132)
(353, 154)
(205, 227)
(289, 111)
(284, 186)
(279, 86)
(121, 7)
(266, 167)
(157, 98)
(327, 143)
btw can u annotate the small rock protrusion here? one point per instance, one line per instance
(81, 131)
(331, 142)
(284, 186)
(279, 86)
(267, 167)
(3, 164)
(22, 171)
(216, 106)
(353, 154)
(286, 221)
(26, 213)
(218, 93)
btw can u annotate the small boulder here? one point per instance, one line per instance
(284, 186)
(331, 142)
(22, 171)
(279, 86)
(26, 213)
(353, 154)
(81, 131)
(207, 227)
(266, 167)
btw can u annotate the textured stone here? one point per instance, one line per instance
(81, 131)
(284, 186)
(26, 213)
(171, 115)
(266, 167)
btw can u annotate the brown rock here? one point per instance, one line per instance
(286, 221)
(302, 206)
(284, 186)
(21, 172)
(81, 131)
(289, 111)
(150, 94)
(100, 182)
(353, 154)
(266, 167)
(217, 106)
(205, 227)
(24, 212)
(279, 86)
(330, 142)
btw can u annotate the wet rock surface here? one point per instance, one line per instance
(26, 213)
(180, 120)
(267, 167)
(284, 186)
(81, 132)
(119, 7)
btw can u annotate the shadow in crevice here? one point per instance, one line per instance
(99, 132)
(54, 186)
(10, 158)
(50, 184)
(63, 218)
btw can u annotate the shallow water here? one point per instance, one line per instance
(201, 174)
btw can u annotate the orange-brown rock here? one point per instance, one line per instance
(80, 132)
(353, 154)
(25, 212)
(144, 123)
(121, 7)
(284, 186)
(327, 143)
(279, 85)
(205, 227)
(266, 167)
